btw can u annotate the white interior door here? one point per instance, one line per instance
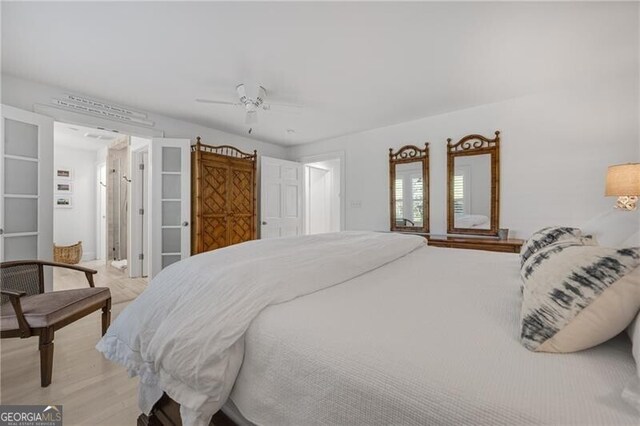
(281, 197)
(139, 213)
(170, 188)
(26, 190)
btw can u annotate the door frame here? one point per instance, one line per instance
(101, 244)
(333, 155)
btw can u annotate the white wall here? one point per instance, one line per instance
(24, 94)
(79, 222)
(556, 147)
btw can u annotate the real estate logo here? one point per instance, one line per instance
(30, 415)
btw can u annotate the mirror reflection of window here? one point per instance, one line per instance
(399, 209)
(417, 199)
(409, 195)
(460, 192)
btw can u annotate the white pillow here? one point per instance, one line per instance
(614, 227)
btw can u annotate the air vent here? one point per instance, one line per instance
(99, 137)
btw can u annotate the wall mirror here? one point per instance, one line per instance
(473, 166)
(409, 188)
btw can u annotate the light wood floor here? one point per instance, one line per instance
(92, 390)
(122, 287)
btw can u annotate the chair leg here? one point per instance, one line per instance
(106, 316)
(46, 356)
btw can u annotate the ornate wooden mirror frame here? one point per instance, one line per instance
(409, 154)
(467, 146)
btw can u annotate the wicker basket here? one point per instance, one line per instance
(68, 254)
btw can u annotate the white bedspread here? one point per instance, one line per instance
(472, 221)
(430, 339)
(183, 334)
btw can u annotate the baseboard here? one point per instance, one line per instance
(89, 255)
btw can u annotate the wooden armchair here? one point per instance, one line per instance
(26, 310)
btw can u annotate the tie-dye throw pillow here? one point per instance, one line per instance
(577, 296)
(553, 235)
(557, 237)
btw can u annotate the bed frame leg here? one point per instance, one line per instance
(144, 420)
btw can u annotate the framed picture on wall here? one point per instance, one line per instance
(64, 173)
(64, 187)
(63, 202)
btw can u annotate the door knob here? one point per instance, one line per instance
(185, 223)
(264, 223)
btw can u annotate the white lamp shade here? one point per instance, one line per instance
(623, 180)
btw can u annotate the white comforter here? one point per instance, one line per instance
(429, 339)
(183, 334)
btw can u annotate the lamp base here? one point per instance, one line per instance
(629, 203)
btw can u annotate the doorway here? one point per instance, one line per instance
(94, 190)
(323, 195)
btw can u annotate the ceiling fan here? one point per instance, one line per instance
(250, 105)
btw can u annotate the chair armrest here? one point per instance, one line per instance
(89, 273)
(66, 265)
(13, 293)
(14, 298)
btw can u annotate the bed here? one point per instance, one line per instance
(428, 338)
(472, 221)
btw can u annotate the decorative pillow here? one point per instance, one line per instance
(576, 296)
(556, 236)
(552, 235)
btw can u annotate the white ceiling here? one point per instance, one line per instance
(354, 66)
(78, 137)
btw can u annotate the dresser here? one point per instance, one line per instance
(223, 196)
(476, 243)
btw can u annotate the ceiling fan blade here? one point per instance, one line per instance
(281, 106)
(242, 92)
(211, 101)
(251, 117)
